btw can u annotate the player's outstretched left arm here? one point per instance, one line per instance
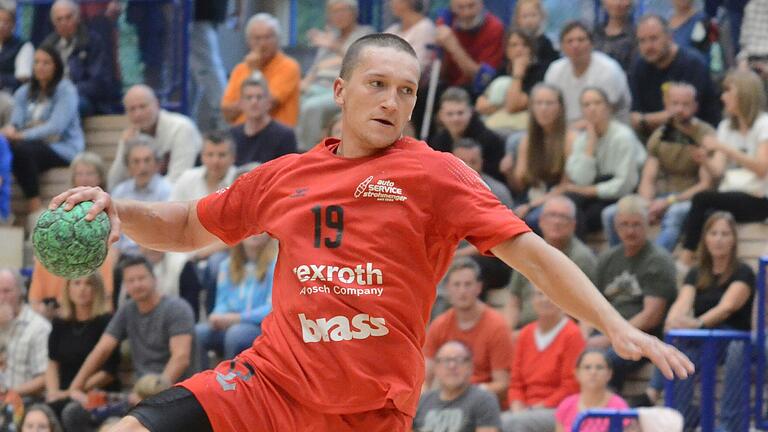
(161, 226)
(564, 283)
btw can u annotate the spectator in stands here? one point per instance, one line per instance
(456, 403)
(83, 317)
(243, 299)
(473, 40)
(529, 17)
(281, 72)
(260, 138)
(742, 139)
(159, 330)
(583, 67)
(558, 225)
(616, 37)
(753, 47)
(85, 57)
(459, 120)
(505, 101)
(144, 183)
(471, 153)
(45, 289)
(603, 165)
(638, 279)
(690, 27)
(661, 61)
(24, 335)
(317, 104)
(676, 169)
(475, 324)
(717, 294)
(45, 128)
(218, 171)
(16, 58)
(414, 27)
(6, 168)
(542, 368)
(40, 418)
(593, 372)
(540, 163)
(176, 137)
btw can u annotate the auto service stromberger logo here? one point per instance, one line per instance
(381, 190)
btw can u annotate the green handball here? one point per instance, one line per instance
(68, 245)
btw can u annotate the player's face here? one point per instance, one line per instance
(576, 45)
(720, 239)
(377, 99)
(453, 367)
(139, 283)
(470, 156)
(463, 288)
(84, 174)
(36, 421)
(631, 229)
(142, 165)
(455, 116)
(217, 158)
(593, 372)
(81, 292)
(652, 42)
(681, 101)
(557, 222)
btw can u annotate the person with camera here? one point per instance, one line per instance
(676, 169)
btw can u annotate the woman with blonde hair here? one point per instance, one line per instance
(243, 299)
(45, 290)
(83, 316)
(741, 160)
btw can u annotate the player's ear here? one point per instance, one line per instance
(338, 91)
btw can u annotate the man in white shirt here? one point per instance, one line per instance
(175, 136)
(583, 67)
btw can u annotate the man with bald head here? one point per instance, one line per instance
(281, 72)
(176, 137)
(86, 61)
(23, 338)
(661, 61)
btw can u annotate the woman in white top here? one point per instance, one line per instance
(414, 27)
(741, 159)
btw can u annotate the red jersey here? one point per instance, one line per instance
(363, 244)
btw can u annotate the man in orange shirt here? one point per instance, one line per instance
(281, 72)
(475, 324)
(367, 227)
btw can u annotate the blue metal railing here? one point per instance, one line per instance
(760, 345)
(617, 418)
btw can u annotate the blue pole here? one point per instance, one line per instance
(186, 8)
(293, 23)
(760, 420)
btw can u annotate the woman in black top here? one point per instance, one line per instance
(717, 294)
(82, 319)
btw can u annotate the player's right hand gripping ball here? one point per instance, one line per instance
(68, 245)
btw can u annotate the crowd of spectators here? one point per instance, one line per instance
(628, 129)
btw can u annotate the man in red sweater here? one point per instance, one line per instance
(542, 368)
(473, 40)
(475, 324)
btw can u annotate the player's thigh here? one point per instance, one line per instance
(175, 409)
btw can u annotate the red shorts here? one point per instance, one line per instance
(237, 397)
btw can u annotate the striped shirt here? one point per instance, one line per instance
(26, 349)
